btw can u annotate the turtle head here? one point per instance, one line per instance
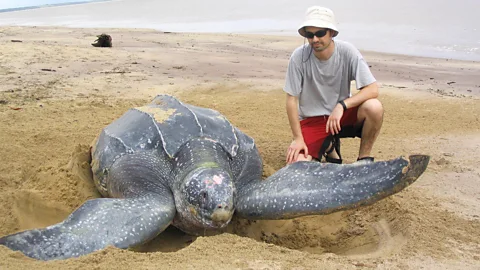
(208, 197)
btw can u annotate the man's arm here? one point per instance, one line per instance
(292, 112)
(367, 92)
(298, 143)
(364, 80)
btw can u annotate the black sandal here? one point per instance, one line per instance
(366, 160)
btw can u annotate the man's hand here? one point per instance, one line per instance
(333, 122)
(294, 150)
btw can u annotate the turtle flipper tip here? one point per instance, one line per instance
(417, 164)
(419, 158)
(41, 244)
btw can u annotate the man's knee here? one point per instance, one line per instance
(372, 109)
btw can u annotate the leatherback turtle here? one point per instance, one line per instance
(175, 163)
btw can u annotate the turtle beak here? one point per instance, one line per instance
(222, 215)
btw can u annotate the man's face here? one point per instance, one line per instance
(319, 38)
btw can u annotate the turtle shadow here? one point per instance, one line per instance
(170, 240)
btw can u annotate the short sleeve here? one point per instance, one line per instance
(294, 78)
(359, 70)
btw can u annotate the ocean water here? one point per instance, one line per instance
(431, 28)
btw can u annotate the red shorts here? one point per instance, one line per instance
(314, 130)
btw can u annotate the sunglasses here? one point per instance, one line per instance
(319, 34)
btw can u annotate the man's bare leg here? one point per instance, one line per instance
(371, 114)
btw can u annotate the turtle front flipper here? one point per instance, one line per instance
(312, 188)
(95, 225)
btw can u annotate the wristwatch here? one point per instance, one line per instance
(343, 105)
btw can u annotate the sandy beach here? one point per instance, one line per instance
(58, 92)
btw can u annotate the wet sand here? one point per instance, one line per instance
(58, 92)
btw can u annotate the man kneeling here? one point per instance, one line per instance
(320, 107)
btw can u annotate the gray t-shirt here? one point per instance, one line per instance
(320, 85)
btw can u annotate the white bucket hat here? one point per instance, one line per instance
(319, 17)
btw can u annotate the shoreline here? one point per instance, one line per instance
(400, 28)
(244, 33)
(447, 77)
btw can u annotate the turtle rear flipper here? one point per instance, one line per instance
(312, 188)
(95, 225)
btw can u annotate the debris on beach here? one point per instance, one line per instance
(103, 40)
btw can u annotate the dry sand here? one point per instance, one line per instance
(58, 92)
